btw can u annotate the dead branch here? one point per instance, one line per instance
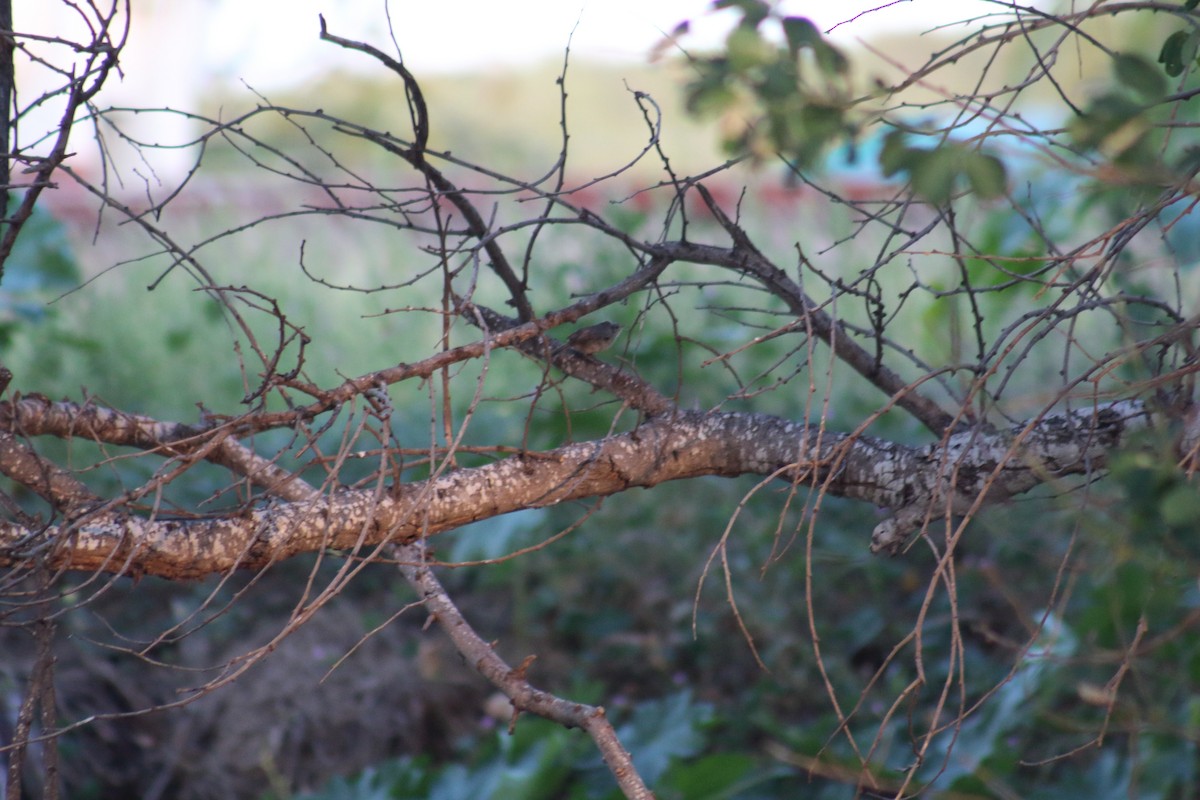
(908, 480)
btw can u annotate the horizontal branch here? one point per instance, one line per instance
(910, 481)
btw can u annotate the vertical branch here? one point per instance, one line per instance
(415, 155)
(7, 86)
(482, 656)
(39, 707)
(103, 52)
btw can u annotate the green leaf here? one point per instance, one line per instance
(1113, 122)
(1172, 55)
(1188, 160)
(663, 730)
(986, 174)
(1180, 507)
(934, 172)
(178, 338)
(711, 92)
(780, 82)
(747, 49)
(803, 133)
(708, 776)
(800, 32)
(710, 98)
(722, 776)
(895, 154)
(982, 737)
(830, 60)
(1140, 75)
(753, 11)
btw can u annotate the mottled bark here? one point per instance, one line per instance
(911, 482)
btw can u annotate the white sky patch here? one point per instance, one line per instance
(270, 40)
(180, 48)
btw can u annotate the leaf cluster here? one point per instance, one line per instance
(778, 83)
(1128, 123)
(936, 172)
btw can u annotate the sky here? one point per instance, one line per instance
(179, 45)
(178, 48)
(261, 37)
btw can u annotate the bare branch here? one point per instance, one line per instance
(513, 682)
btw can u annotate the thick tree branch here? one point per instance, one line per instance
(49, 481)
(976, 469)
(908, 480)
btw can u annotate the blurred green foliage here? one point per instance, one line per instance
(791, 95)
(40, 269)
(787, 94)
(1071, 648)
(936, 172)
(541, 760)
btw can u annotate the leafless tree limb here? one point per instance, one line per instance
(972, 467)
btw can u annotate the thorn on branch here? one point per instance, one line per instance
(522, 670)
